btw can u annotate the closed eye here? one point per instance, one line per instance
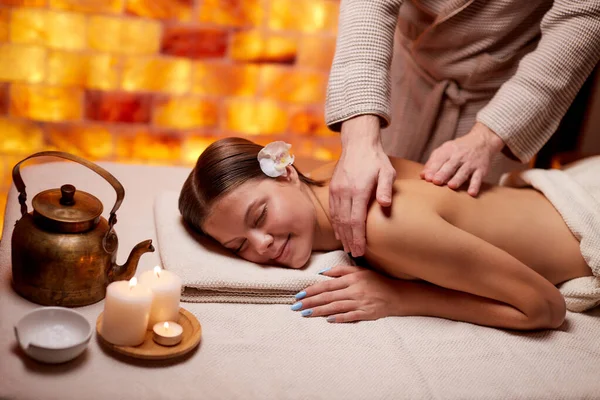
(262, 216)
(236, 251)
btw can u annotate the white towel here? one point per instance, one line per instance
(575, 193)
(212, 274)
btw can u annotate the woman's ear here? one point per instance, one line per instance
(291, 175)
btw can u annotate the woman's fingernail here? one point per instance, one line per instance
(331, 318)
(300, 295)
(321, 272)
(306, 313)
(296, 306)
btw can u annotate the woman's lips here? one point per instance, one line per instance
(284, 251)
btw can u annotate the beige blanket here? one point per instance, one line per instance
(267, 351)
(575, 193)
(212, 274)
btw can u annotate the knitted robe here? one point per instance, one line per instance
(514, 66)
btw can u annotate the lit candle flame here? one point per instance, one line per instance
(166, 325)
(132, 282)
(157, 270)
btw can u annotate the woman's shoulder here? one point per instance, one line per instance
(322, 172)
(392, 232)
(405, 169)
(413, 202)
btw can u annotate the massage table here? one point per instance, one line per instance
(263, 351)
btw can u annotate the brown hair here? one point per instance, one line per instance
(223, 166)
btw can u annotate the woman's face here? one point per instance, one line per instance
(266, 221)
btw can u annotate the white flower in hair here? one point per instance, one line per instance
(274, 158)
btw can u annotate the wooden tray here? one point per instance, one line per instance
(150, 350)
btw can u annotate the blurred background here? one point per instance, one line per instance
(156, 81)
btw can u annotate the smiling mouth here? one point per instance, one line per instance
(282, 249)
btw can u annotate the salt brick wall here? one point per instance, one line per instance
(155, 81)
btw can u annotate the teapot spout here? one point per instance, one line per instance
(127, 270)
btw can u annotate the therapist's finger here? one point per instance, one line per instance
(475, 184)
(460, 177)
(385, 182)
(343, 220)
(447, 170)
(358, 220)
(332, 213)
(336, 218)
(434, 163)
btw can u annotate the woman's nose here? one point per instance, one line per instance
(262, 241)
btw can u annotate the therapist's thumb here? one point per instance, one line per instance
(384, 187)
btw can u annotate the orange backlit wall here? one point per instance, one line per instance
(155, 81)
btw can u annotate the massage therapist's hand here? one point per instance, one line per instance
(468, 157)
(362, 167)
(356, 294)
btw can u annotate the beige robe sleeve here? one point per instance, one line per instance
(359, 81)
(527, 108)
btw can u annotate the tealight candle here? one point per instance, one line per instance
(166, 287)
(167, 333)
(126, 313)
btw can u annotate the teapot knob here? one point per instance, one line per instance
(67, 191)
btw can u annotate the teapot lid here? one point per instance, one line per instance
(67, 209)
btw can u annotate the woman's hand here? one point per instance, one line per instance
(362, 169)
(356, 294)
(463, 159)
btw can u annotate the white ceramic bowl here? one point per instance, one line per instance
(53, 334)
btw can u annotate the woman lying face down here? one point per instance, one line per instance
(493, 261)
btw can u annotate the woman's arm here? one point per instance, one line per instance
(476, 281)
(359, 81)
(527, 109)
(420, 298)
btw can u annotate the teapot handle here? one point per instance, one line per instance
(20, 185)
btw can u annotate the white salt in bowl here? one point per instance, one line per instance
(53, 334)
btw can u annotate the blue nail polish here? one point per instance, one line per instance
(306, 313)
(331, 318)
(321, 272)
(300, 295)
(296, 306)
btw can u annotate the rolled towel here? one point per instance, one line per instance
(575, 193)
(211, 274)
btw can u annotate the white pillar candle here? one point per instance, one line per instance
(166, 287)
(126, 313)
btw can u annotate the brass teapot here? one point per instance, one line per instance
(64, 252)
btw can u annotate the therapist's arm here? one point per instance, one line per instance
(358, 105)
(359, 80)
(527, 109)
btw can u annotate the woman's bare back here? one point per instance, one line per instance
(521, 222)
